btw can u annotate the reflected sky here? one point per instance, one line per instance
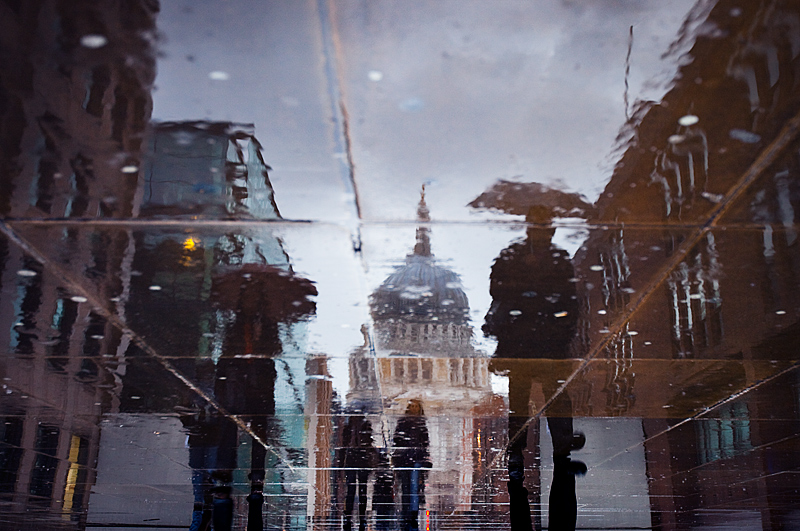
(461, 101)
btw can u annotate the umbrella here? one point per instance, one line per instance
(264, 291)
(521, 198)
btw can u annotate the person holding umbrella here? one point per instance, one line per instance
(534, 314)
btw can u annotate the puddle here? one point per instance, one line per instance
(322, 264)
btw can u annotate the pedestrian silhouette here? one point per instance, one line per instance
(411, 459)
(383, 492)
(358, 457)
(534, 316)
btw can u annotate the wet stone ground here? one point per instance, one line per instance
(323, 264)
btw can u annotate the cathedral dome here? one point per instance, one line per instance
(421, 291)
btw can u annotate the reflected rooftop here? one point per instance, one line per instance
(410, 265)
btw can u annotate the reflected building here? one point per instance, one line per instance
(52, 394)
(78, 143)
(76, 130)
(218, 308)
(420, 350)
(695, 301)
(205, 169)
(609, 256)
(681, 154)
(730, 302)
(71, 117)
(75, 110)
(674, 168)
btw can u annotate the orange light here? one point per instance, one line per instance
(190, 244)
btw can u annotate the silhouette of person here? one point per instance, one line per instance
(410, 458)
(534, 315)
(262, 297)
(245, 387)
(255, 500)
(358, 457)
(212, 457)
(383, 492)
(214, 441)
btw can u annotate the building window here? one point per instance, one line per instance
(10, 452)
(46, 464)
(725, 437)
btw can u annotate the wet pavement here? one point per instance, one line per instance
(399, 265)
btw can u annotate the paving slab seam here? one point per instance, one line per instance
(338, 109)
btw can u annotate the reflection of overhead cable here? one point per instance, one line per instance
(627, 74)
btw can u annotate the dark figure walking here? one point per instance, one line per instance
(383, 493)
(411, 460)
(534, 316)
(358, 457)
(212, 458)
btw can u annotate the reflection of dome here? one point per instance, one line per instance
(421, 349)
(421, 291)
(421, 308)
